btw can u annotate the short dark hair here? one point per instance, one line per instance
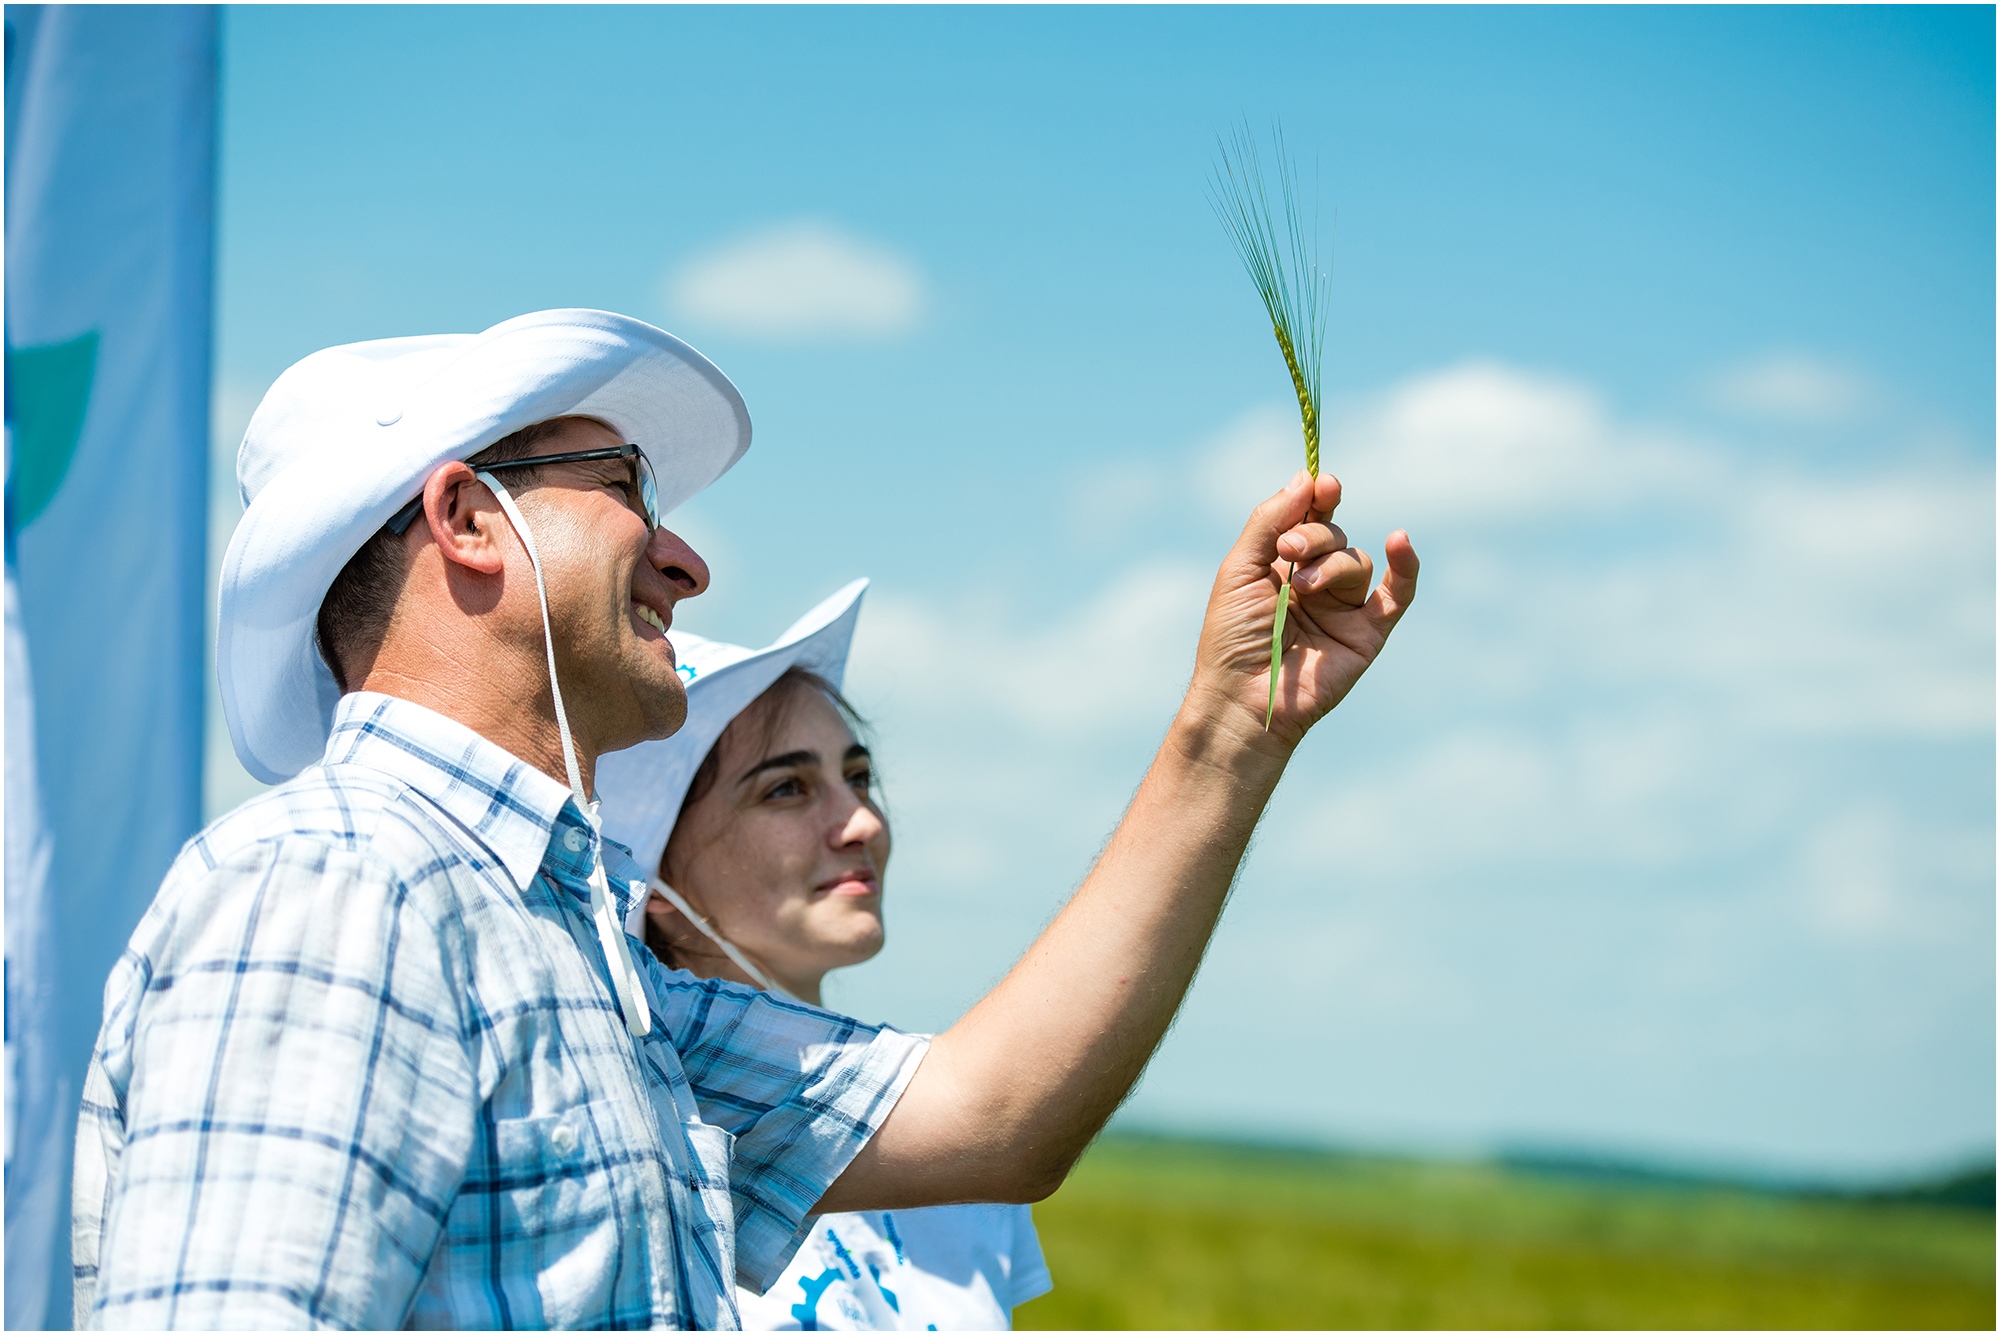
(354, 615)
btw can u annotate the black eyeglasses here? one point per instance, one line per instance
(649, 494)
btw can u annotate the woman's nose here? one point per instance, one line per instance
(861, 825)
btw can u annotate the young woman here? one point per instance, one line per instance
(761, 815)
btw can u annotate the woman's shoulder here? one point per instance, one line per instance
(941, 1239)
(960, 1236)
(955, 1219)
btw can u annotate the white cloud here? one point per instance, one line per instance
(1791, 386)
(805, 279)
(1483, 443)
(1858, 605)
(1116, 660)
(1780, 604)
(1479, 444)
(1866, 873)
(1499, 794)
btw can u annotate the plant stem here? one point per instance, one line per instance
(1278, 644)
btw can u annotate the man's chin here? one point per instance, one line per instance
(660, 708)
(663, 700)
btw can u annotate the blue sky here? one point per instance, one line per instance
(1666, 825)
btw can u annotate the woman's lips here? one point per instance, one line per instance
(852, 883)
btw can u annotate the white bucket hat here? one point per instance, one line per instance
(640, 790)
(348, 436)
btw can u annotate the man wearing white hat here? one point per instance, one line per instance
(380, 1053)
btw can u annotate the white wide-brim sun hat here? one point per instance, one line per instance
(640, 789)
(349, 435)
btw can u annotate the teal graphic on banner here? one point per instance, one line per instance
(48, 389)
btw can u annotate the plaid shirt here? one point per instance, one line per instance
(362, 1066)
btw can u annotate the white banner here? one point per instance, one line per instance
(110, 225)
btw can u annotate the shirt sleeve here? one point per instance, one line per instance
(800, 1088)
(298, 1103)
(1027, 1271)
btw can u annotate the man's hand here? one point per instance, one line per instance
(1333, 631)
(1010, 1095)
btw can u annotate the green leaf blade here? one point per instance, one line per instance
(1277, 651)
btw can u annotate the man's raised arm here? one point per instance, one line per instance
(1010, 1096)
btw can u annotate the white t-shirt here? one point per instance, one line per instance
(948, 1267)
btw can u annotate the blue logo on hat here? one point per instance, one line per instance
(687, 671)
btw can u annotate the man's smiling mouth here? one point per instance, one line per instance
(651, 618)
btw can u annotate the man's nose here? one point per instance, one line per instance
(680, 563)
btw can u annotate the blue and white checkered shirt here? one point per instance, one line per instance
(362, 1066)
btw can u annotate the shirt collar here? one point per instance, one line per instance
(573, 851)
(624, 878)
(506, 803)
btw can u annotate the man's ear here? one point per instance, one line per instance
(464, 519)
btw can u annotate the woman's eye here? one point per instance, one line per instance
(861, 780)
(786, 788)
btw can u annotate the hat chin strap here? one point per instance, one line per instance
(625, 985)
(736, 957)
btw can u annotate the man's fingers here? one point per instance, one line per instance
(1271, 520)
(1399, 586)
(1311, 540)
(1326, 496)
(1305, 500)
(1345, 574)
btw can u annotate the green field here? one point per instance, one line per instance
(1178, 1234)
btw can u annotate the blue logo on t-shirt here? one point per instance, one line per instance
(882, 1288)
(895, 1239)
(807, 1312)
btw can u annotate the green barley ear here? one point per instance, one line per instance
(1293, 284)
(1290, 277)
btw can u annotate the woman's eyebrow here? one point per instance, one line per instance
(785, 761)
(857, 752)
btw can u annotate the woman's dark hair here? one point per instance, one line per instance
(768, 714)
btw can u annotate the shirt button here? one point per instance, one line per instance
(573, 840)
(563, 1139)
